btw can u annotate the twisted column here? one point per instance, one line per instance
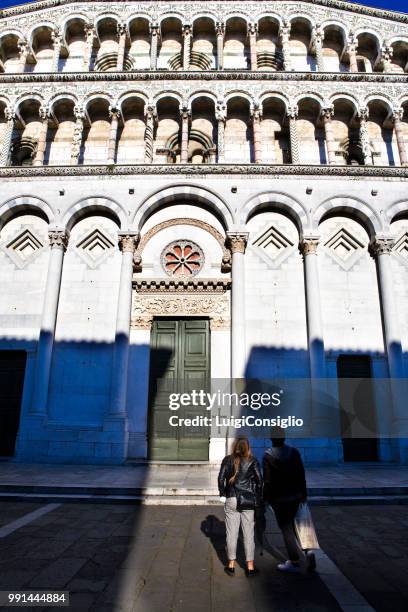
(284, 37)
(402, 148)
(187, 31)
(57, 41)
(128, 242)
(114, 114)
(121, 46)
(292, 114)
(364, 138)
(150, 117)
(23, 53)
(237, 242)
(327, 114)
(220, 33)
(252, 33)
(42, 139)
(221, 117)
(154, 44)
(77, 137)
(90, 35)
(58, 243)
(317, 42)
(257, 131)
(7, 136)
(352, 53)
(185, 120)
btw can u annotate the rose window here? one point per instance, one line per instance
(182, 258)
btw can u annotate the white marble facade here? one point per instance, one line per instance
(130, 126)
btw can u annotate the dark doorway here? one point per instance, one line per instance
(12, 370)
(179, 363)
(357, 408)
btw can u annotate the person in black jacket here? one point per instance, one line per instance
(284, 490)
(240, 487)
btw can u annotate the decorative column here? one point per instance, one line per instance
(90, 35)
(150, 117)
(252, 33)
(317, 43)
(121, 46)
(385, 57)
(397, 115)
(237, 242)
(154, 44)
(23, 53)
(352, 53)
(220, 33)
(114, 114)
(292, 114)
(185, 119)
(77, 137)
(221, 117)
(57, 41)
(42, 139)
(187, 31)
(127, 243)
(257, 131)
(7, 136)
(327, 114)
(284, 37)
(381, 249)
(364, 138)
(58, 244)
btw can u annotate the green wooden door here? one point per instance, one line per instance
(179, 363)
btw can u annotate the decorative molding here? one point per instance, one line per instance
(23, 247)
(189, 285)
(96, 238)
(178, 255)
(344, 248)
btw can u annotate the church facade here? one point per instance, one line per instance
(194, 191)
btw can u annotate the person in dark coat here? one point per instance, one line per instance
(284, 489)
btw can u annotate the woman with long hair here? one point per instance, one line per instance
(240, 487)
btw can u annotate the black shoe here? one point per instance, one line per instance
(251, 572)
(229, 570)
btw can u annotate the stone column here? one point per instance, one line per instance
(364, 138)
(252, 33)
(402, 147)
(77, 138)
(7, 136)
(237, 243)
(121, 46)
(58, 243)
(257, 131)
(381, 249)
(317, 42)
(185, 120)
(385, 58)
(114, 114)
(127, 244)
(221, 116)
(23, 52)
(150, 116)
(220, 32)
(284, 37)
(57, 41)
(294, 139)
(327, 114)
(187, 32)
(89, 44)
(154, 44)
(42, 139)
(352, 53)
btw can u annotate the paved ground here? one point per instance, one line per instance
(166, 559)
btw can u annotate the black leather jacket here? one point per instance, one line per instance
(248, 478)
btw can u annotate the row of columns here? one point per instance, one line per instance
(327, 114)
(317, 39)
(381, 249)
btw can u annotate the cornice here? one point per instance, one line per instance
(211, 75)
(269, 170)
(189, 285)
(358, 9)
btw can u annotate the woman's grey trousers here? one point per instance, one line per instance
(235, 519)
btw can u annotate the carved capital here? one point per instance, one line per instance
(79, 113)
(23, 48)
(121, 29)
(327, 112)
(397, 114)
(284, 33)
(363, 114)
(237, 241)
(150, 112)
(381, 245)
(114, 112)
(221, 111)
(9, 113)
(128, 241)
(252, 29)
(308, 245)
(56, 37)
(187, 29)
(58, 239)
(220, 28)
(43, 113)
(256, 113)
(185, 113)
(293, 112)
(154, 29)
